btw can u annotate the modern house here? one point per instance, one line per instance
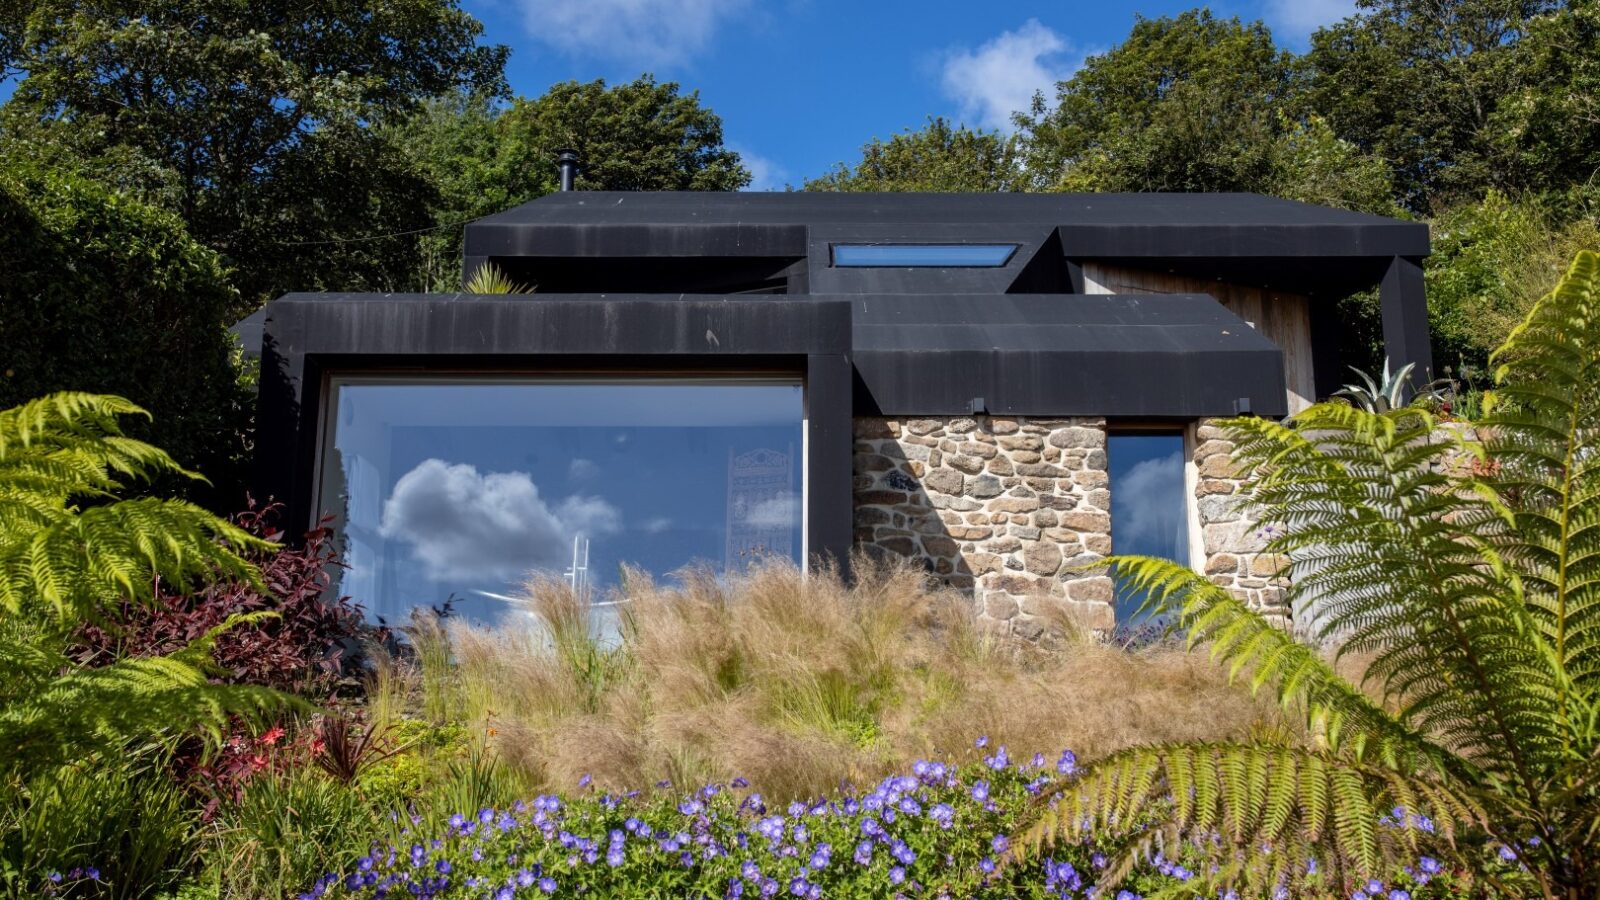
(1004, 387)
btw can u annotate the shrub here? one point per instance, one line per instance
(307, 647)
(104, 293)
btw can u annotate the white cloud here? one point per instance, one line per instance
(656, 525)
(582, 469)
(1147, 509)
(642, 33)
(1000, 77)
(765, 173)
(464, 524)
(1296, 19)
(776, 512)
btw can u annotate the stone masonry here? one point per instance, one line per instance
(1231, 542)
(1008, 508)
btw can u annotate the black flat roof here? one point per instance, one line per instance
(618, 223)
(826, 207)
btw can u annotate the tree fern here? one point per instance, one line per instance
(69, 551)
(1466, 573)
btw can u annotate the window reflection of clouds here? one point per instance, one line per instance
(462, 488)
(1149, 511)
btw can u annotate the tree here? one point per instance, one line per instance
(250, 120)
(482, 157)
(1549, 129)
(1468, 575)
(1418, 82)
(105, 293)
(1189, 103)
(939, 157)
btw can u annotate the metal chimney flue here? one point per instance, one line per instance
(567, 163)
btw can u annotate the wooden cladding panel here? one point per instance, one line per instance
(1284, 319)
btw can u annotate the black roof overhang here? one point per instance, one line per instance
(1156, 356)
(1178, 355)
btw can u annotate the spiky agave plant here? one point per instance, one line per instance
(1468, 573)
(491, 279)
(69, 552)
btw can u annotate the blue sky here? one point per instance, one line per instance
(801, 84)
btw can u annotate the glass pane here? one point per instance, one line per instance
(461, 489)
(1149, 509)
(933, 255)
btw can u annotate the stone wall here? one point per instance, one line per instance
(1003, 507)
(1230, 542)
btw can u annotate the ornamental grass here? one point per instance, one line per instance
(799, 683)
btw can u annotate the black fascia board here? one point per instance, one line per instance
(1142, 225)
(308, 337)
(1169, 355)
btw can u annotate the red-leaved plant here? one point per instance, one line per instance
(311, 648)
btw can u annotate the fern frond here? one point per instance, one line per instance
(1545, 434)
(71, 551)
(1279, 806)
(1267, 656)
(1393, 550)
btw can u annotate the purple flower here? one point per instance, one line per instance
(897, 875)
(547, 884)
(1068, 763)
(1429, 865)
(1000, 844)
(980, 791)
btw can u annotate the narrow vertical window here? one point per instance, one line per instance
(1149, 510)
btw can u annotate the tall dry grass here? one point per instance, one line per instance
(798, 683)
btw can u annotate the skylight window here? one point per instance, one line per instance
(922, 255)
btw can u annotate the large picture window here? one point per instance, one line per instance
(1149, 507)
(458, 489)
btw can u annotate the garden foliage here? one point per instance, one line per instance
(311, 645)
(1466, 573)
(105, 293)
(69, 549)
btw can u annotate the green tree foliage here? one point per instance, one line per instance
(1549, 129)
(482, 158)
(1188, 103)
(248, 118)
(1419, 82)
(106, 293)
(940, 157)
(1491, 262)
(70, 551)
(1467, 575)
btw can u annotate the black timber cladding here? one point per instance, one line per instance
(1164, 355)
(692, 242)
